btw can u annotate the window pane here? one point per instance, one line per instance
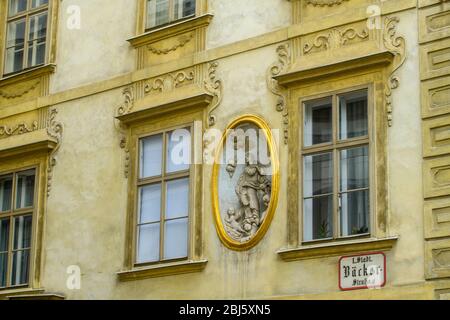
(151, 156)
(3, 268)
(353, 115)
(184, 8)
(150, 203)
(15, 46)
(178, 151)
(177, 198)
(4, 234)
(148, 243)
(318, 218)
(318, 122)
(22, 232)
(20, 267)
(318, 175)
(354, 168)
(37, 38)
(38, 3)
(17, 6)
(157, 13)
(355, 213)
(25, 189)
(176, 239)
(5, 193)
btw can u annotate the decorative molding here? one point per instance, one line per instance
(169, 81)
(283, 63)
(324, 3)
(128, 103)
(214, 86)
(19, 94)
(334, 39)
(124, 145)
(55, 130)
(19, 129)
(396, 45)
(182, 41)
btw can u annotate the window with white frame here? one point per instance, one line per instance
(163, 196)
(161, 12)
(17, 194)
(335, 156)
(26, 34)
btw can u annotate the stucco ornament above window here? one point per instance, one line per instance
(323, 3)
(245, 183)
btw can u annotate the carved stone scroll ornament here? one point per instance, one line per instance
(335, 39)
(55, 130)
(396, 45)
(124, 108)
(168, 82)
(283, 63)
(19, 129)
(324, 3)
(253, 190)
(214, 86)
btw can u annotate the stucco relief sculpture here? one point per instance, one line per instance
(253, 190)
(245, 183)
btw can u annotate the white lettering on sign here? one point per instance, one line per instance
(367, 271)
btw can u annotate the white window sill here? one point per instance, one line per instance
(337, 248)
(162, 270)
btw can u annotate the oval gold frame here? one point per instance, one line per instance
(226, 240)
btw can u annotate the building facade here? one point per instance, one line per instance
(350, 98)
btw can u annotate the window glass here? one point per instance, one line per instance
(4, 238)
(177, 203)
(318, 122)
(318, 197)
(354, 186)
(176, 236)
(20, 267)
(150, 203)
(179, 151)
(148, 243)
(184, 8)
(37, 38)
(25, 189)
(151, 156)
(6, 193)
(38, 3)
(16, 6)
(160, 12)
(15, 46)
(353, 118)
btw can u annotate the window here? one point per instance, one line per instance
(17, 194)
(163, 196)
(335, 158)
(160, 12)
(26, 34)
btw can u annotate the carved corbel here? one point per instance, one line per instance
(396, 45)
(55, 130)
(214, 86)
(283, 63)
(124, 108)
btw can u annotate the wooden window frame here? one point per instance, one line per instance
(50, 48)
(21, 212)
(171, 15)
(163, 179)
(334, 147)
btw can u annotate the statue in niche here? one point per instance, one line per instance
(253, 190)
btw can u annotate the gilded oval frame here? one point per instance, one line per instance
(223, 236)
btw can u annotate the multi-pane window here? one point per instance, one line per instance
(26, 34)
(335, 157)
(163, 196)
(160, 12)
(16, 216)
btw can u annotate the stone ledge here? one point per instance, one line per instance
(26, 143)
(27, 74)
(171, 30)
(162, 270)
(339, 248)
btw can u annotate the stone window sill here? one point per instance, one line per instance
(339, 248)
(162, 270)
(9, 293)
(27, 74)
(171, 30)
